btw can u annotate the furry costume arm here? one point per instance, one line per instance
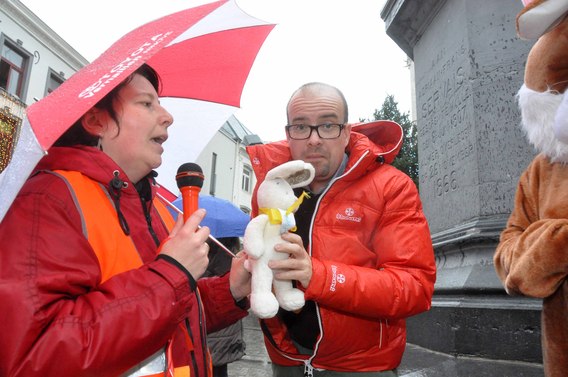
(532, 256)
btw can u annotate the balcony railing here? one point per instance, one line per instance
(11, 114)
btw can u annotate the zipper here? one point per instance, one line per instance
(308, 369)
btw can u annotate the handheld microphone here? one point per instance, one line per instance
(189, 179)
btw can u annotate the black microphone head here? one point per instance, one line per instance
(189, 174)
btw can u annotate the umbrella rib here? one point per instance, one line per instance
(179, 211)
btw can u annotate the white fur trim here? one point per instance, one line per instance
(538, 110)
(560, 126)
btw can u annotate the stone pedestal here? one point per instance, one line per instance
(469, 65)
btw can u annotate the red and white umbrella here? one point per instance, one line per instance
(203, 56)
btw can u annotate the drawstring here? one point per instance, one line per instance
(115, 186)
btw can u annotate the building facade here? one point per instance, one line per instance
(226, 165)
(34, 59)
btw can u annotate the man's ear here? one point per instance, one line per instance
(93, 121)
(347, 133)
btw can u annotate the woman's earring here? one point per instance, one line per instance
(99, 143)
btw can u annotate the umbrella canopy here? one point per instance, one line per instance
(203, 56)
(223, 218)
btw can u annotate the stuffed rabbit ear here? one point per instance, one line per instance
(297, 173)
(539, 17)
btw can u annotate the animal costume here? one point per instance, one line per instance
(277, 203)
(532, 256)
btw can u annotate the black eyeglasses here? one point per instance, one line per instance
(304, 131)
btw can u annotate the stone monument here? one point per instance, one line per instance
(469, 65)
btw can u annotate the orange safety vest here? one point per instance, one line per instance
(106, 237)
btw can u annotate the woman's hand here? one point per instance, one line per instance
(240, 278)
(187, 244)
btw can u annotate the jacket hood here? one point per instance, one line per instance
(378, 141)
(386, 138)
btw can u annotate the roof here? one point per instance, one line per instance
(235, 129)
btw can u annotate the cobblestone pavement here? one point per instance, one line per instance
(417, 361)
(255, 362)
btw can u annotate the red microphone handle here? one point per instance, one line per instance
(190, 200)
(189, 179)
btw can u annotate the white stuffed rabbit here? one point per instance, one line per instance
(277, 204)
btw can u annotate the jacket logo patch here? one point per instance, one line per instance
(348, 215)
(335, 278)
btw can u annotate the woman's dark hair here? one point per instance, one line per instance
(77, 135)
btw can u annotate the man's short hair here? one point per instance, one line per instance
(316, 84)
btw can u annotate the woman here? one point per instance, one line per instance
(92, 283)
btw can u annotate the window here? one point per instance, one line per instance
(54, 80)
(213, 174)
(247, 176)
(14, 64)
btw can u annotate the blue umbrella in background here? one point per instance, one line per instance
(223, 217)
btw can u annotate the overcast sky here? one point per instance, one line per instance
(343, 43)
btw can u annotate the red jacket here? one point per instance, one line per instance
(372, 257)
(58, 319)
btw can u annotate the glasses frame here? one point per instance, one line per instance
(316, 128)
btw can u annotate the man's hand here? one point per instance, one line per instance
(298, 266)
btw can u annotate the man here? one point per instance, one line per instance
(362, 252)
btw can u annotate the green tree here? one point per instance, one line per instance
(407, 158)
